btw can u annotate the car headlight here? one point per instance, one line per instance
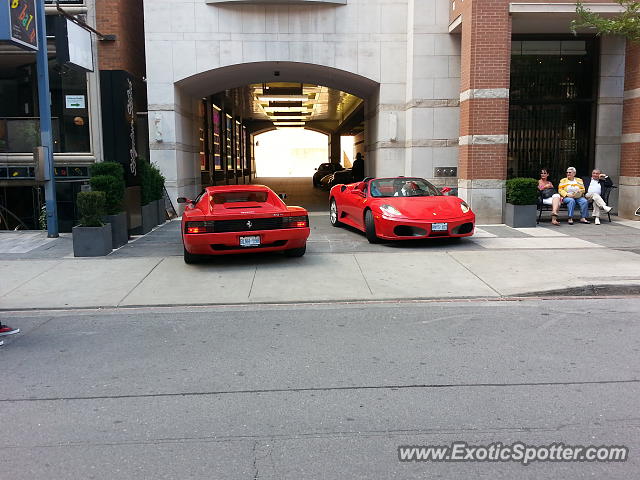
(464, 207)
(389, 210)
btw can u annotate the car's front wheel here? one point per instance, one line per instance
(333, 213)
(370, 227)
(190, 258)
(296, 252)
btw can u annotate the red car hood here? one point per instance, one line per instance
(425, 207)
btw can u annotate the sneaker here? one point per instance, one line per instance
(6, 330)
(606, 209)
(596, 221)
(1, 342)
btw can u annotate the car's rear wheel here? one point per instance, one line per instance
(370, 227)
(190, 258)
(296, 252)
(333, 213)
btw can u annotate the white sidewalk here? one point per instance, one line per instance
(487, 273)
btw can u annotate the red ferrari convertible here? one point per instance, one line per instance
(241, 219)
(400, 209)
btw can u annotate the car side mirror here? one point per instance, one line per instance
(283, 196)
(358, 189)
(183, 200)
(445, 190)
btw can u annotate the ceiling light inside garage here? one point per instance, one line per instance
(283, 98)
(287, 117)
(288, 109)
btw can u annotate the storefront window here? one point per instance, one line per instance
(19, 111)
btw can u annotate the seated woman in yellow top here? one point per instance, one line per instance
(571, 190)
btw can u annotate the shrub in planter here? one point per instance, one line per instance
(148, 196)
(113, 169)
(146, 182)
(158, 192)
(522, 195)
(91, 238)
(113, 189)
(522, 191)
(157, 182)
(108, 177)
(91, 208)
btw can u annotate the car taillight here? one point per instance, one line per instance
(295, 222)
(198, 227)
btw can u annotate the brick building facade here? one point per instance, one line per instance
(486, 28)
(87, 111)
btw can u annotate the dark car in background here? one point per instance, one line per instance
(341, 176)
(323, 170)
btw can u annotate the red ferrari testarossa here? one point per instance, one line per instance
(241, 219)
(400, 208)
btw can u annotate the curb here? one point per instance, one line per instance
(587, 292)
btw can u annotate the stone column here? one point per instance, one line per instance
(609, 117)
(484, 107)
(629, 199)
(335, 152)
(430, 119)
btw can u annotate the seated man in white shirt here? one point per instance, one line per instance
(595, 186)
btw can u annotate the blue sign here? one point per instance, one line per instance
(18, 23)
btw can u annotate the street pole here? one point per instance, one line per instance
(44, 100)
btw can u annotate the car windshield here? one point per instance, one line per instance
(403, 187)
(240, 197)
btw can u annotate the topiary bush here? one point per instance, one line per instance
(91, 208)
(158, 182)
(113, 190)
(151, 182)
(146, 182)
(107, 168)
(522, 191)
(108, 177)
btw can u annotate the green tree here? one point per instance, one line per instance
(627, 24)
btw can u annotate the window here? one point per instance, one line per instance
(19, 111)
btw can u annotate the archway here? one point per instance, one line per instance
(226, 89)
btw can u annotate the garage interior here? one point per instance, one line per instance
(237, 119)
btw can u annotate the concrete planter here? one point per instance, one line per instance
(520, 216)
(149, 216)
(92, 241)
(119, 231)
(162, 214)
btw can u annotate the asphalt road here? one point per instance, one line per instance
(317, 391)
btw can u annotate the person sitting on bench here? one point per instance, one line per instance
(595, 186)
(549, 195)
(572, 191)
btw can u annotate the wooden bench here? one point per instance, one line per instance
(547, 208)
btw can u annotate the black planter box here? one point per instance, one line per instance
(162, 213)
(520, 216)
(149, 217)
(119, 231)
(92, 241)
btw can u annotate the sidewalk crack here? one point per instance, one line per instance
(255, 271)
(32, 278)
(362, 273)
(473, 273)
(138, 284)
